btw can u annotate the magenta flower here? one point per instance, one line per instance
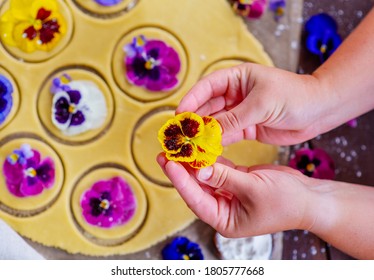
(108, 203)
(249, 8)
(352, 123)
(26, 174)
(314, 163)
(151, 64)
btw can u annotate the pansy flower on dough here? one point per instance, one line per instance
(252, 9)
(26, 173)
(77, 106)
(108, 3)
(151, 64)
(6, 99)
(314, 163)
(181, 248)
(32, 25)
(193, 139)
(108, 203)
(322, 36)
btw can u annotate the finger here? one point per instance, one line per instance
(226, 179)
(212, 106)
(242, 119)
(203, 204)
(213, 85)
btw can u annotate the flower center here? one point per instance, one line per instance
(279, 11)
(30, 172)
(105, 204)
(186, 257)
(13, 158)
(151, 63)
(72, 108)
(310, 167)
(323, 48)
(37, 24)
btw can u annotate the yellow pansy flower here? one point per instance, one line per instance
(32, 25)
(193, 139)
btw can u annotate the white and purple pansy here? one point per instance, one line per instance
(78, 106)
(108, 203)
(151, 64)
(26, 173)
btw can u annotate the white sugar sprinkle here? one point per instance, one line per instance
(313, 250)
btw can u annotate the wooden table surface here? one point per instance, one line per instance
(351, 148)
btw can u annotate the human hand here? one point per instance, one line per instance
(241, 201)
(252, 101)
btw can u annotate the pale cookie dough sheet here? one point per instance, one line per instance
(207, 35)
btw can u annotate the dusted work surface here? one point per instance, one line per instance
(351, 148)
(81, 175)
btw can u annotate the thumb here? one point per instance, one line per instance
(249, 112)
(225, 179)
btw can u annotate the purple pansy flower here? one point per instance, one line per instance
(314, 163)
(181, 248)
(77, 106)
(322, 37)
(6, 99)
(151, 64)
(249, 8)
(108, 203)
(108, 2)
(277, 7)
(26, 174)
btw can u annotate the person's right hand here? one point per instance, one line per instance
(251, 101)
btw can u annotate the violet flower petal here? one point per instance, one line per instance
(46, 172)
(181, 248)
(75, 96)
(13, 173)
(118, 200)
(77, 118)
(31, 186)
(6, 99)
(61, 110)
(108, 2)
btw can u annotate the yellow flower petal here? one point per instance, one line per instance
(22, 15)
(192, 124)
(20, 9)
(49, 5)
(6, 32)
(208, 144)
(192, 139)
(170, 136)
(187, 153)
(23, 43)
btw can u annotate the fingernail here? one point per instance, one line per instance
(205, 173)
